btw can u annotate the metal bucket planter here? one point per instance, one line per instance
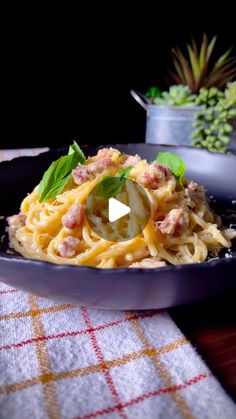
(167, 124)
(171, 124)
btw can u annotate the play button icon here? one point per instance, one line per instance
(121, 217)
(116, 210)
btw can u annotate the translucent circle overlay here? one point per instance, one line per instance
(126, 227)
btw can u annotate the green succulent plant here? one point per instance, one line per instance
(152, 93)
(213, 125)
(198, 69)
(177, 96)
(230, 92)
(209, 97)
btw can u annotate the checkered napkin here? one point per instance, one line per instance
(62, 361)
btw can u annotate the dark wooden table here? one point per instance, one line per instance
(211, 327)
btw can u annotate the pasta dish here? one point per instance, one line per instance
(53, 222)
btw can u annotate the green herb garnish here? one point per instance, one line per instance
(75, 148)
(174, 163)
(111, 186)
(58, 174)
(124, 173)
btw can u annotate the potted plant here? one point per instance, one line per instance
(215, 125)
(192, 99)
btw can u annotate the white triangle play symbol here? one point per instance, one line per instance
(116, 210)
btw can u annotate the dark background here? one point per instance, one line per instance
(68, 75)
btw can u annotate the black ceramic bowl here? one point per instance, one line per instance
(122, 288)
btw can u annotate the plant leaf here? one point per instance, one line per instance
(179, 72)
(194, 62)
(227, 65)
(153, 92)
(210, 48)
(205, 56)
(174, 163)
(111, 186)
(197, 69)
(195, 48)
(223, 58)
(123, 173)
(185, 67)
(221, 78)
(75, 148)
(55, 189)
(171, 77)
(58, 174)
(203, 51)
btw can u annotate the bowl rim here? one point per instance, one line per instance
(230, 154)
(215, 262)
(168, 268)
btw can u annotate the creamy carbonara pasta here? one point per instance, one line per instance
(181, 228)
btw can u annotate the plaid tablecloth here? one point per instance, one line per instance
(62, 361)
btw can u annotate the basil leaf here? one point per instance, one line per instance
(174, 163)
(111, 186)
(55, 189)
(78, 153)
(58, 174)
(123, 173)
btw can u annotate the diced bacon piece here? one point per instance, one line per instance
(100, 165)
(192, 186)
(148, 263)
(195, 193)
(80, 174)
(15, 222)
(68, 247)
(154, 176)
(74, 217)
(175, 222)
(131, 161)
(106, 153)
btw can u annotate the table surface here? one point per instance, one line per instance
(211, 327)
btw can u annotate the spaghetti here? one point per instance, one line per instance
(181, 228)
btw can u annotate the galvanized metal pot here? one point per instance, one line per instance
(167, 124)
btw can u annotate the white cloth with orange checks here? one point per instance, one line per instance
(62, 361)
